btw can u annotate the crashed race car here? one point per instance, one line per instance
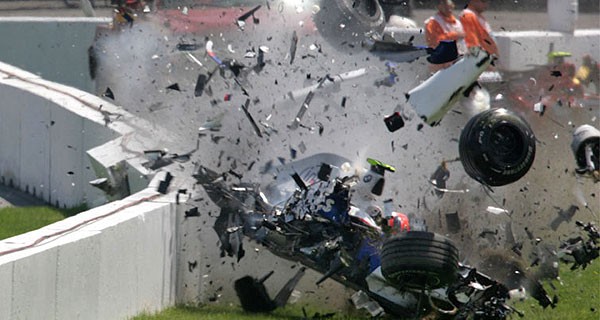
(324, 214)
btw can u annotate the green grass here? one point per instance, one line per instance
(223, 312)
(18, 220)
(578, 294)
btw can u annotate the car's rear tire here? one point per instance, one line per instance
(419, 260)
(497, 147)
(345, 22)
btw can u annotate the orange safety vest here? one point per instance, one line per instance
(477, 31)
(439, 28)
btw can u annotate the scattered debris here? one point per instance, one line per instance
(199, 89)
(579, 250)
(241, 20)
(293, 47)
(394, 121)
(249, 116)
(361, 300)
(193, 212)
(496, 211)
(213, 124)
(331, 80)
(254, 297)
(296, 122)
(452, 222)
(174, 86)
(439, 178)
(109, 94)
(188, 46)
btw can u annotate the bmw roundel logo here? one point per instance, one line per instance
(367, 178)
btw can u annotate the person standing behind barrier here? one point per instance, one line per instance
(477, 29)
(444, 26)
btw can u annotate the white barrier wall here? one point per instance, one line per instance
(112, 262)
(55, 48)
(522, 50)
(116, 266)
(44, 136)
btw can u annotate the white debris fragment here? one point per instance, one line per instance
(342, 26)
(538, 107)
(519, 293)
(312, 47)
(495, 210)
(154, 57)
(301, 23)
(295, 296)
(499, 97)
(185, 10)
(533, 80)
(193, 59)
(250, 54)
(230, 48)
(241, 24)
(213, 124)
(477, 285)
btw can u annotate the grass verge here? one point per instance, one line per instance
(18, 220)
(223, 312)
(578, 293)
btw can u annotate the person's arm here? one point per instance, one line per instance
(433, 33)
(470, 26)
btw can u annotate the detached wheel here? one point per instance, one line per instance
(345, 22)
(497, 147)
(419, 260)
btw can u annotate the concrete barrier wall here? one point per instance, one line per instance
(54, 48)
(116, 266)
(44, 136)
(521, 51)
(111, 262)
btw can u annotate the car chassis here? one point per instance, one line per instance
(407, 270)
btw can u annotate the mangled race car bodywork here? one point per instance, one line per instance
(324, 214)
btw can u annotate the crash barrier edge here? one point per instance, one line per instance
(111, 262)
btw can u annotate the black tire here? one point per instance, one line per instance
(497, 147)
(419, 260)
(358, 18)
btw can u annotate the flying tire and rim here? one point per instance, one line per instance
(497, 147)
(419, 260)
(345, 22)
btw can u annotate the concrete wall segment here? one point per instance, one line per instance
(77, 278)
(6, 294)
(113, 268)
(35, 146)
(522, 50)
(10, 158)
(34, 286)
